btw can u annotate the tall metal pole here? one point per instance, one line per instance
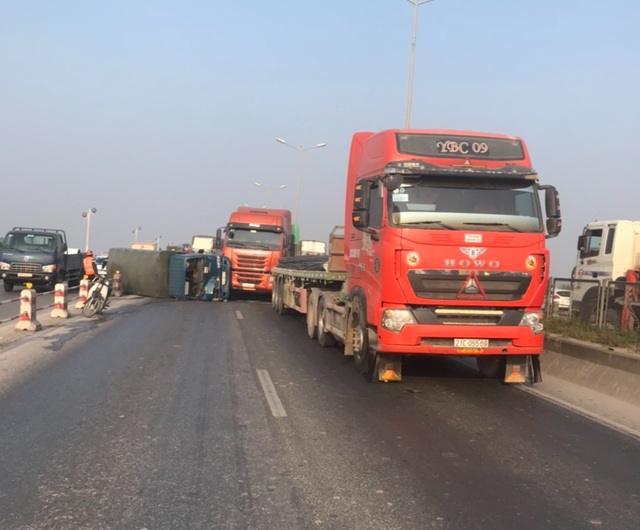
(301, 151)
(270, 190)
(415, 3)
(87, 215)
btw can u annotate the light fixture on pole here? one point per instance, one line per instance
(301, 151)
(88, 215)
(269, 190)
(415, 3)
(135, 233)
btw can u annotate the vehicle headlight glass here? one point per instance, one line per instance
(534, 321)
(4, 266)
(49, 268)
(395, 319)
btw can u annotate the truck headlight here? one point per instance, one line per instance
(4, 266)
(49, 268)
(395, 319)
(534, 321)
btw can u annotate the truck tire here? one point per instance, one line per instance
(274, 294)
(360, 337)
(280, 307)
(325, 338)
(8, 286)
(588, 311)
(312, 319)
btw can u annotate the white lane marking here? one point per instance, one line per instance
(270, 393)
(239, 314)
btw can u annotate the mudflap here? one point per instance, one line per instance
(387, 368)
(523, 369)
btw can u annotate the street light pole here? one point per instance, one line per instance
(87, 215)
(301, 151)
(269, 190)
(415, 3)
(135, 233)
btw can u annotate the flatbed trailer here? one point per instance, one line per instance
(308, 290)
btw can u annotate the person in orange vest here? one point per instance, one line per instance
(90, 267)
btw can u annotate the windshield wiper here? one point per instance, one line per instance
(496, 224)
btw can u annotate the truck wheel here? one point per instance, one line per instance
(8, 286)
(312, 321)
(274, 295)
(588, 311)
(281, 308)
(492, 366)
(325, 338)
(612, 319)
(360, 336)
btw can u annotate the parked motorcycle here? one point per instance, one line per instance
(97, 297)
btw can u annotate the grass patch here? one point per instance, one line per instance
(580, 330)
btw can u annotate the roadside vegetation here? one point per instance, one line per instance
(580, 330)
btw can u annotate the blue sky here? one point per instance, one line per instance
(163, 114)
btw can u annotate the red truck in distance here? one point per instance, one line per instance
(254, 240)
(444, 254)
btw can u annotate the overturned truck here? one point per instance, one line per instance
(168, 274)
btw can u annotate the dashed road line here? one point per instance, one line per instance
(277, 410)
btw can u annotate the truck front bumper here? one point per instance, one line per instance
(418, 339)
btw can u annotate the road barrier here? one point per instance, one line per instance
(82, 293)
(27, 320)
(60, 309)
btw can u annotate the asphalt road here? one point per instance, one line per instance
(198, 415)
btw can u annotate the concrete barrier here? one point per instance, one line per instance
(60, 309)
(28, 318)
(82, 293)
(614, 372)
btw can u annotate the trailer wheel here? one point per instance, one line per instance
(360, 337)
(274, 294)
(492, 366)
(312, 320)
(280, 307)
(325, 338)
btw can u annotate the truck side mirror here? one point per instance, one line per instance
(551, 201)
(582, 243)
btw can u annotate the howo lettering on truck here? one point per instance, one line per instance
(38, 256)
(444, 254)
(254, 241)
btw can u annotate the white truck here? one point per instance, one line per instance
(607, 251)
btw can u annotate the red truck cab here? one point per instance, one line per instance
(254, 241)
(445, 247)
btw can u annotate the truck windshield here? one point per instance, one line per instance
(246, 238)
(29, 242)
(496, 206)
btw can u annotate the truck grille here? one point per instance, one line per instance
(449, 285)
(250, 264)
(26, 267)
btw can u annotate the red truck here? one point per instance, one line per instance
(443, 254)
(254, 241)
